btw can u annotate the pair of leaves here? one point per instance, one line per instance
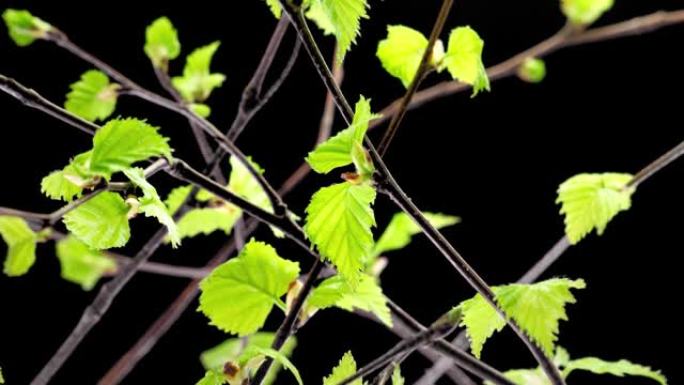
(590, 201)
(537, 308)
(82, 265)
(585, 12)
(402, 51)
(197, 81)
(238, 295)
(336, 291)
(24, 28)
(594, 365)
(21, 245)
(93, 97)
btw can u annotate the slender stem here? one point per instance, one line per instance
(421, 73)
(386, 183)
(167, 270)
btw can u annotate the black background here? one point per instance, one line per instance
(495, 160)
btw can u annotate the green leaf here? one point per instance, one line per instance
(24, 28)
(367, 296)
(93, 97)
(537, 308)
(82, 265)
(207, 220)
(345, 368)
(177, 197)
(397, 378)
(21, 245)
(339, 220)
(585, 12)
(200, 109)
(463, 59)
(101, 222)
(161, 42)
(238, 295)
(59, 185)
(532, 70)
(401, 52)
(151, 204)
(317, 14)
(401, 228)
(122, 142)
(277, 357)
(197, 81)
(232, 349)
(275, 7)
(590, 201)
(213, 377)
(337, 151)
(345, 16)
(616, 368)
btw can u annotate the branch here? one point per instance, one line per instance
(386, 183)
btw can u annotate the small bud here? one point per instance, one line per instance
(438, 54)
(134, 205)
(533, 70)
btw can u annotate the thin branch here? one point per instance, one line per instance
(165, 269)
(386, 183)
(421, 73)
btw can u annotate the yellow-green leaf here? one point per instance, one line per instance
(81, 264)
(463, 58)
(21, 245)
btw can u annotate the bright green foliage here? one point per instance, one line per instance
(238, 295)
(161, 42)
(207, 220)
(151, 204)
(345, 368)
(25, 28)
(101, 222)
(401, 228)
(585, 12)
(213, 377)
(21, 245)
(177, 197)
(368, 296)
(200, 109)
(537, 308)
(93, 97)
(59, 185)
(590, 201)
(232, 351)
(401, 52)
(532, 70)
(243, 184)
(275, 7)
(337, 151)
(197, 81)
(82, 265)
(256, 351)
(463, 58)
(318, 15)
(339, 220)
(397, 378)
(122, 142)
(345, 17)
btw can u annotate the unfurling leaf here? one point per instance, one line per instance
(585, 12)
(238, 295)
(197, 81)
(24, 28)
(93, 97)
(590, 201)
(532, 70)
(59, 185)
(463, 58)
(402, 51)
(339, 220)
(256, 351)
(345, 18)
(101, 222)
(345, 368)
(161, 42)
(81, 264)
(537, 308)
(21, 245)
(397, 378)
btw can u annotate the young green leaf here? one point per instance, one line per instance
(339, 220)
(318, 15)
(619, 368)
(537, 308)
(101, 222)
(151, 204)
(177, 197)
(82, 265)
(200, 109)
(532, 70)
(21, 245)
(238, 295)
(275, 7)
(337, 151)
(585, 12)
(278, 357)
(345, 368)
(93, 97)
(345, 16)
(59, 185)
(367, 296)
(161, 42)
(590, 201)
(397, 378)
(207, 220)
(463, 59)
(401, 228)
(24, 28)
(213, 377)
(122, 142)
(401, 52)
(197, 81)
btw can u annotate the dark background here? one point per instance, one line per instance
(495, 160)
